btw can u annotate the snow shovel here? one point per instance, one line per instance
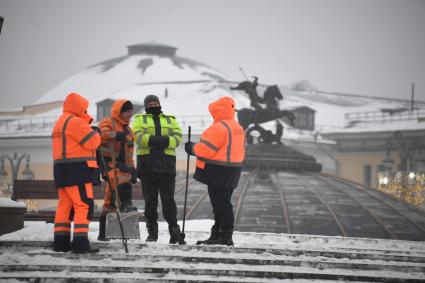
(182, 242)
(120, 225)
(104, 170)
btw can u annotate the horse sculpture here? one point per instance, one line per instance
(260, 114)
(266, 136)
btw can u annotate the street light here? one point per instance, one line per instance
(15, 162)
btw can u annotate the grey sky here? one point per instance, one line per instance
(363, 47)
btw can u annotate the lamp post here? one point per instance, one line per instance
(1, 23)
(15, 162)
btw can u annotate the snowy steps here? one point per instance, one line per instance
(35, 261)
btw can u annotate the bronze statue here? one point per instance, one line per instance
(262, 114)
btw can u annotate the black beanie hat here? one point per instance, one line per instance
(126, 106)
(150, 98)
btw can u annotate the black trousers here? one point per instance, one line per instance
(164, 185)
(221, 201)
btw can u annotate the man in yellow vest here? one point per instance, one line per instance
(157, 136)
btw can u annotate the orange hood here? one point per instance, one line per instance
(77, 105)
(223, 108)
(116, 111)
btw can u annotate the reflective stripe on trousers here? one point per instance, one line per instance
(75, 203)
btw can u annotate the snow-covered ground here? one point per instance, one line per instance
(256, 257)
(200, 229)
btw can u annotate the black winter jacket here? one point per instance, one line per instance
(226, 177)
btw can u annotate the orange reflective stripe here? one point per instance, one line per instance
(62, 229)
(210, 145)
(62, 224)
(64, 136)
(229, 143)
(87, 137)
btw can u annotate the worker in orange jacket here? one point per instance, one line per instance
(220, 153)
(118, 136)
(75, 170)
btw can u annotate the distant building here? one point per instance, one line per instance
(304, 118)
(376, 141)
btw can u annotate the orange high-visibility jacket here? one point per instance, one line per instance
(73, 139)
(223, 143)
(109, 127)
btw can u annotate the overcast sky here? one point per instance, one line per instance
(361, 46)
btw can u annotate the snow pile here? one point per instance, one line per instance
(6, 202)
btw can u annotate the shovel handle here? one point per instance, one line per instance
(187, 181)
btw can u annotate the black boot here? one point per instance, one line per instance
(62, 243)
(213, 237)
(225, 237)
(102, 226)
(152, 231)
(81, 245)
(127, 207)
(176, 237)
(126, 195)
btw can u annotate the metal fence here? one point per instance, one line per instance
(8, 126)
(385, 115)
(38, 124)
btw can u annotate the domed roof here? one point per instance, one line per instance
(149, 68)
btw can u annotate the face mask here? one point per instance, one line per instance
(154, 110)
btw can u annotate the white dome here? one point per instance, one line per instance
(150, 69)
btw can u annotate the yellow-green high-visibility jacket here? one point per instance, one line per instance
(143, 126)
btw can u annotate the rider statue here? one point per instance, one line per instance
(266, 109)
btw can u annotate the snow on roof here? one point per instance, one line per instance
(113, 77)
(379, 126)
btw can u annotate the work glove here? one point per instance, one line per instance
(133, 175)
(96, 129)
(164, 141)
(154, 141)
(188, 147)
(159, 142)
(120, 136)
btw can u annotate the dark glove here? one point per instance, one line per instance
(124, 167)
(164, 142)
(133, 175)
(159, 142)
(96, 129)
(188, 147)
(120, 136)
(154, 141)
